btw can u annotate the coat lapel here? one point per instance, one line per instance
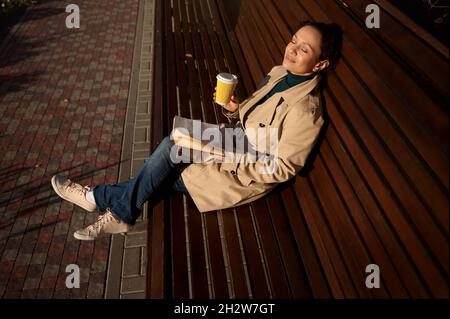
(275, 78)
(291, 96)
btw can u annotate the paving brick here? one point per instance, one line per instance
(131, 262)
(131, 285)
(51, 128)
(29, 293)
(137, 239)
(136, 295)
(38, 258)
(31, 283)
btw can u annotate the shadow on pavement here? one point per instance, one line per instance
(44, 194)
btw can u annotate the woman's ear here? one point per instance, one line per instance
(321, 65)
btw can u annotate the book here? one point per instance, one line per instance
(215, 142)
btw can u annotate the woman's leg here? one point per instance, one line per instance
(125, 199)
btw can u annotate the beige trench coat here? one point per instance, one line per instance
(296, 113)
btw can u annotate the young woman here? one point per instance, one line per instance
(287, 100)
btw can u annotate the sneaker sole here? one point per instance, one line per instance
(55, 188)
(84, 237)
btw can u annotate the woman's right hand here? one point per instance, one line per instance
(232, 106)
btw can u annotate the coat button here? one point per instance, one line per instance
(261, 125)
(233, 172)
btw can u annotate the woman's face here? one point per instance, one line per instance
(302, 53)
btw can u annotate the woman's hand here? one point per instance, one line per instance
(232, 106)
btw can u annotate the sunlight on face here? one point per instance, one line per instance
(303, 52)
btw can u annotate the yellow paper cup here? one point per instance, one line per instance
(226, 83)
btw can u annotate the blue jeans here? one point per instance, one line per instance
(158, 177)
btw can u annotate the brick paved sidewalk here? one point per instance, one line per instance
(63, 100)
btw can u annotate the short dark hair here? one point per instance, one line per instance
(332, 37)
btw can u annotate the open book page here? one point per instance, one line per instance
(210, 139)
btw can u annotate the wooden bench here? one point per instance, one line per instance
(375, 190)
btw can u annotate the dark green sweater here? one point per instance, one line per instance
(289, 81)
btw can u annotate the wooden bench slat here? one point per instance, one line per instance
(410, 50)
(179, 273)
(397, 219)
(295, 271)
(423, 179)
(350, 252)
(155, 280)
(217, 264)
(237, 268)
(275, 269)
(334, 269)
(232, 50)
(199, 278)
(215, 260)
(353, 224)
(377, 219)
(258, 284)
(182, 77)
(399, 186)
(423, 108)
(402, 115)
(305, 245)
(422, 141)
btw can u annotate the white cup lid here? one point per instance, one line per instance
(227, 77)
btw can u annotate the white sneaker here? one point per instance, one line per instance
(72, 192)
(107, 223)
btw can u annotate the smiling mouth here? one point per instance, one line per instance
(288, 59)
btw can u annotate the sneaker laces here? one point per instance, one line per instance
(74, 187)
(101, 221)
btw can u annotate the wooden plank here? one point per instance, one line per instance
(275, 269)
(156, 271)
(205, 90)
(232, 50)
(180, 275)
(199, 278)
(216, 262)
(332, 266)
(395, 181)
(249, 27)
(421, 106)
(390, 104)
(193, 85)
(398, 220)
(419, 135)
(237, 267)
(423, 59)
(276, 33)
(179, 280)
(181, 58)
(428, 190)
(340, 215)
(259, 286)
(380, 230)
(295, 271)
(305, 245)
(355, 261)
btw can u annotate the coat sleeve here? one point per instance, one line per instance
(300, 131)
